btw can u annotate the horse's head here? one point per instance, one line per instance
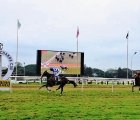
(45, 73)
(135, 75)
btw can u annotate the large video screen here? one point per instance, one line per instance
(70, 63)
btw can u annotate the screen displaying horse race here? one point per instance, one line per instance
(70, 63)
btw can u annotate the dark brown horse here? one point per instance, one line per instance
(137, 81)
(51, 82)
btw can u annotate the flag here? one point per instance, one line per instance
(18, 24)
(127, 35)
(77, 32)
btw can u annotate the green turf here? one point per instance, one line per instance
(90, 104)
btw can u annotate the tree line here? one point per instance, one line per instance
(109, 73)
(30, 70)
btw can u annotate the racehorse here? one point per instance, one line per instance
(51, 82)
(64, 67)
(137, 81)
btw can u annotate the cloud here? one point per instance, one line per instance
(52, 25)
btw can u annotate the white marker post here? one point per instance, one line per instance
(1, 46)
(0, 67)
(112, 85)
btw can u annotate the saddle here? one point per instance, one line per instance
(53, 81)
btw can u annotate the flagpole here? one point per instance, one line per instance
(1, 47)
(77, 49)
(77, 58)
(17, 48)
(127, 52)
(127, 58)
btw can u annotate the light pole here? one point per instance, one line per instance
(131, 62)
(24, 68)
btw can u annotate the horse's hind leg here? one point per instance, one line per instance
(58, 87)
(139, 89)
(61, 90)
(75, 84)
(72, 82)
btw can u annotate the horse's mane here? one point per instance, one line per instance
(48, 75)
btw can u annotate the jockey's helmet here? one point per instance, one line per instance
(51, 69)
(138, 73)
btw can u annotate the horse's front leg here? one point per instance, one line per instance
(41, 86)
(48, 88)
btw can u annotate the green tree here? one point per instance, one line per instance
(20, 69)
(30, 70)
(98, 72)
(120, 73)
(111, 73)
(88, 71)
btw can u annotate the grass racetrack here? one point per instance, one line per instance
(93, 102)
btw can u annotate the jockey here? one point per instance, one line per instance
(63, 67)
(55, 72)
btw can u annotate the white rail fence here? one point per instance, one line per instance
(79, 80)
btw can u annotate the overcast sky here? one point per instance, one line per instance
(52, 25)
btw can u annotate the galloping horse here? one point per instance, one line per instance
(64, 67)
(137, 81)
(51, 82)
